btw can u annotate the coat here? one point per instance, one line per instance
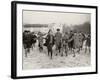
(71, 41)
(27, 38)
(65, 40)
(77, 40)
(49, 41)
(58, 39)
(88, 41)
(34, 39)
(40, 40)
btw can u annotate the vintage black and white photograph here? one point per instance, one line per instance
(53, 39)
(56, 39)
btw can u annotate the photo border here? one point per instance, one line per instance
(14, 38)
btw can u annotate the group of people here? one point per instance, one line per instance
(63, 42)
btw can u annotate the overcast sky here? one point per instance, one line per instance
(40, 17)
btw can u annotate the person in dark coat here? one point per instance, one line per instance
(58, 41)
(88, 43)
(27, 42)
(71, 41)
(49, 43)
(33, 40)
(40, 41)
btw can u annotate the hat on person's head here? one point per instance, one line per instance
(39, 32)
(26, 31)
(32, 32)
(71, 31)
(58, 29)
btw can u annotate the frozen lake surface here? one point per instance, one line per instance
(37, 60)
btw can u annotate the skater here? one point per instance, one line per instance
(40, 41)
(49, 43)
(33, 40)
(65, 44)
(27, 42)
(58, 40)
(88, 43)
(71, 42)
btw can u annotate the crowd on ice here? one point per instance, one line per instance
(63, 42)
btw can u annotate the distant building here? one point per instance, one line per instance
(36, 27)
